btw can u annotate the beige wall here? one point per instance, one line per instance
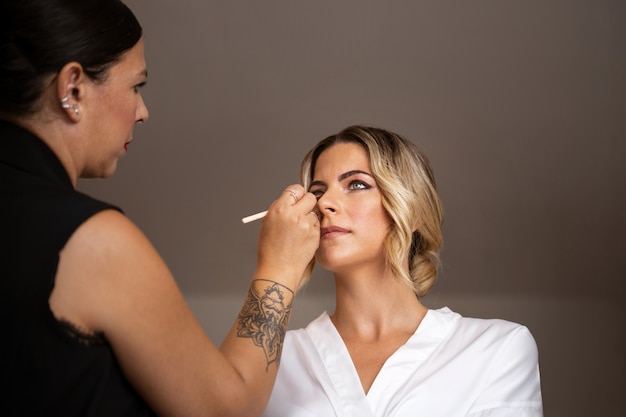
(520, 104)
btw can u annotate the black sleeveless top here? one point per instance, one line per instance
(47, 368)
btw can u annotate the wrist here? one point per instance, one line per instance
(270, 283)
(265, 315)
(284, 276)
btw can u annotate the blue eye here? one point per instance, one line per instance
(358, 185)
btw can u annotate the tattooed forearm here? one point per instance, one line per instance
(264, 317)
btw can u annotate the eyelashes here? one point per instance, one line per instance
(354, 185)
(140, 86)
(358, 185)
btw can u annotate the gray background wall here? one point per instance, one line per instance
(519, 104)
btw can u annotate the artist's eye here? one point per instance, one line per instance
(139, 86)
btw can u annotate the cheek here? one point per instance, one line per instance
(126, 111)
(374, 221)
(122, 108)
(373, 214)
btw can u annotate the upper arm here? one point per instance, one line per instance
(513, 385)
(111, 279)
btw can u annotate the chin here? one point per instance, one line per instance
(103, 173)
(328, 263)
(108, 173)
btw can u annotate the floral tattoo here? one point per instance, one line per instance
(264, 318)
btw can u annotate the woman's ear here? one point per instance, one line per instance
(416, 225)
(70, 86)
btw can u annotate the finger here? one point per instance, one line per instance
(316, 219)
(307, 203)
(293, 194)
(295, 191)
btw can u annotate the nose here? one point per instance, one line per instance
(328, 203)
(142, 111)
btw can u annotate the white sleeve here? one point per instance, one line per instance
(513, 387)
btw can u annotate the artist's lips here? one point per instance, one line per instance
(332, 231)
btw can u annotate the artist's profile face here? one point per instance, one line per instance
(118, 106)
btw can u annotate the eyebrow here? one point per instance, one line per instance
(344, 176)
(143, 74)
(351, 173)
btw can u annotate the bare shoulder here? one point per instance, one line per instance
(107, 229)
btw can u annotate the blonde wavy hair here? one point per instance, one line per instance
(409, 196)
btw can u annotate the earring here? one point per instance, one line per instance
(68, 105)
(71, 106)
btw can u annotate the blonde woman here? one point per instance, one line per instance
(382, 352)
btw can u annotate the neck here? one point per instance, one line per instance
(53, 135)
(372, 306)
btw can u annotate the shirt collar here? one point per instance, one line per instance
(26, 152)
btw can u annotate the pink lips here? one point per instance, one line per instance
(332, 231)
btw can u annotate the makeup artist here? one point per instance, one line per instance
(93, 322)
